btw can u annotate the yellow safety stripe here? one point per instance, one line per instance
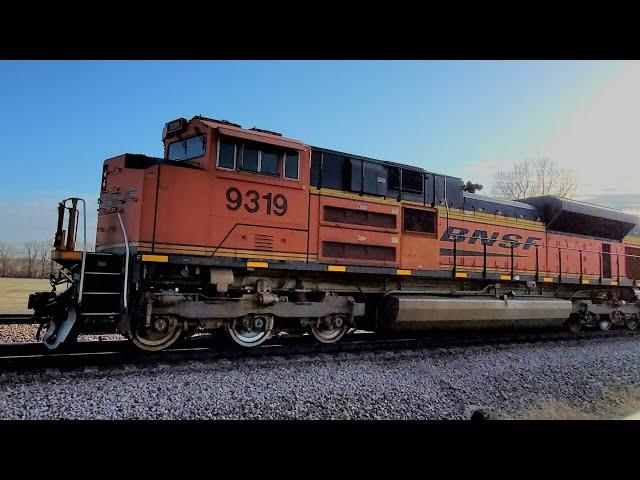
(336, 268)
(257, 265)
(155, 258)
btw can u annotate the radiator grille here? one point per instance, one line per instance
(359, 217)
(358, 251)
(263, 242)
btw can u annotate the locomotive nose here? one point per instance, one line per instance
(120, 203)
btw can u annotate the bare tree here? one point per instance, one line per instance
(534, 177)
(44, 254)
(30, 253)
(7, 253)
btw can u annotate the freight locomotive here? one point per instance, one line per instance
(248, 233)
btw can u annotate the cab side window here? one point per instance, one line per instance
(187, 148)
(292, 165)
(250, 157)
(268, 162)
(234, 154)
(227, 155)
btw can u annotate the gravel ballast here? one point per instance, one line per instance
(18, 333)
(409, 384)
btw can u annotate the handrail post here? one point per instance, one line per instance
(600, 267)
(537, 264)
(511, 260)
(581, 269)
(559, 265)
(618, 265)
(126, 261)
(484, 258)
(455, 253)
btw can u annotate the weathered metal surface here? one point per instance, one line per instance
(431, 312)
(225, 309)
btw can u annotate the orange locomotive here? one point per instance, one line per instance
(249, 232)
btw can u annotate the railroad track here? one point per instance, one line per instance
(33, 356)
(15, 317)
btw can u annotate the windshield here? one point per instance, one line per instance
(187, 148)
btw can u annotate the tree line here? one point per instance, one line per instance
(31, 260)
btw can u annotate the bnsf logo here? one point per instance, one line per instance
(461, 235)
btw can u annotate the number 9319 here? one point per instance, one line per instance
(253, 202)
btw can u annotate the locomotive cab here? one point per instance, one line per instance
(215, 181)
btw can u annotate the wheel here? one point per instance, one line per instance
(251, 331)
(574, 324)
(631, 321)
(605, 323)
(162, 333)
(330, 329)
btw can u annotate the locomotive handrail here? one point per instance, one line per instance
(512, 243)
(126, 261)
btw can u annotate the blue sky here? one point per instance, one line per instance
(60, 120)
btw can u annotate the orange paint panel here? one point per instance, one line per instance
(183, 205)
(420, 253)
(123, 193)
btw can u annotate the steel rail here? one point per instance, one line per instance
(119, 353)
(9, 318)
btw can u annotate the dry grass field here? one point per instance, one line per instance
(14, 292)
(615, 405)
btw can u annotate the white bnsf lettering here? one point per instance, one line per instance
(461, 235)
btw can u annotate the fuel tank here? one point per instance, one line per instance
(403, 312)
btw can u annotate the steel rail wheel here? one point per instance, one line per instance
(330, 329)
(252, 330)
(605, 323)
(574, 324)
(162, 333)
